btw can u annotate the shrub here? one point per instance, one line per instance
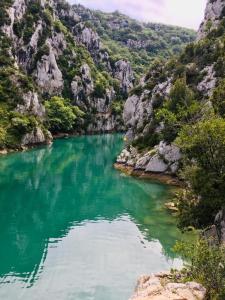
(61, 115)
(205, 265)
(218, 98)
(203, 146)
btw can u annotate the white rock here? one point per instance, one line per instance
(35, 137)
(151, 288)
(48, 75)
(170, 153)
(34, 39)
(143, 162)
(124, 73)
(156, 165)
(213, 12)
(31, 104)
(208, 83)
(16, 13)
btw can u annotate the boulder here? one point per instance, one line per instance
(156, 165)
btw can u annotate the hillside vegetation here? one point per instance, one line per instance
(61, 72)
(138, 42)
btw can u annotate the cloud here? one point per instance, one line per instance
(187, 13)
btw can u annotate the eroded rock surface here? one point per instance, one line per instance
(215, 10)
(160, 287)
(163, 158)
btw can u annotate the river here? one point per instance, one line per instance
(74, 228)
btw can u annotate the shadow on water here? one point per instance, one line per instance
(47, 191)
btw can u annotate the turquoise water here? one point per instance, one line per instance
(72, 227)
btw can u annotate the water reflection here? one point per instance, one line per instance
(48, 193)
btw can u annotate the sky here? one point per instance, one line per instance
(186, 13)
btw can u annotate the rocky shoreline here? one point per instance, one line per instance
(159, 177)
(49, 141)
(161, 286)
(160, 163)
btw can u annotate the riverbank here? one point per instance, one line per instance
(62, 135)
(160, 177)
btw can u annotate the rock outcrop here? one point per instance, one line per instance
(160, 287)
(31, 104)
(123, 72)
(48, 75)
(208, 83)
(162, 158)
(201, 76)
(216, 233)
(215, 10)
(35, 137)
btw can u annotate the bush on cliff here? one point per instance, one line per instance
(179, 109)
(206, 265)
(203, 146)
(61, 115)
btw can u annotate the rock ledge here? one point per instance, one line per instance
(160, 287)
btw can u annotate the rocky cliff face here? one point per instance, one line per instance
(138, 42)
(215, 11)
(50, 48)
(202, 68)
(46, 44)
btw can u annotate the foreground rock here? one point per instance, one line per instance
(160, 287)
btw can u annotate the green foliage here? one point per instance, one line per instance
(179, 109)
(218, 98)
(59, 27)
(101, 84)
(13, 126)
(180, 96)
(203, 146)
(117, 107)
(4, 18)
(148, 41)
(61, 115)
(21, 123)
(205, 265)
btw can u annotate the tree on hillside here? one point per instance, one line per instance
(203, 146)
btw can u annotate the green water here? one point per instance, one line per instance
(72, 227)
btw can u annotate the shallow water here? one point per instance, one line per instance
(72, 227)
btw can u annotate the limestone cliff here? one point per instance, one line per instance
(49, 48)
(214, 12)
(201, 68)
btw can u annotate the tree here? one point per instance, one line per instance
(218, 98)
(179, 109)
(180, 96)
(204, 264)
(203, 146)
(61, 115)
